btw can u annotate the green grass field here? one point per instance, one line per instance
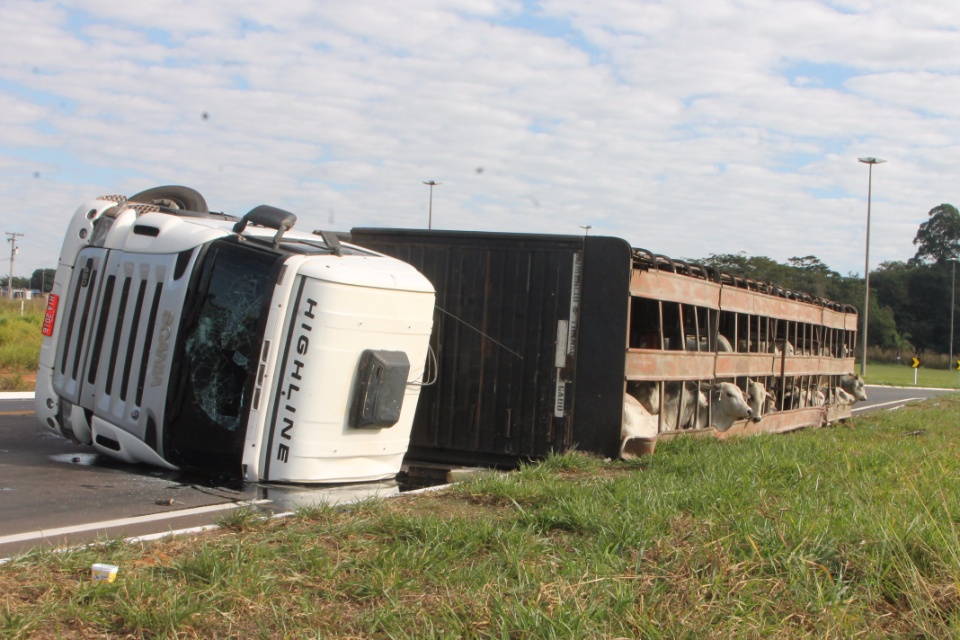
(840, 532)
(20, 340)
(902, 376)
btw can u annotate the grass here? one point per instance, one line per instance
(836, 532)
(20, 340)
(902, 376)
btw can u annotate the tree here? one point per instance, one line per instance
(883, 325)
(808, 274)
(18, 283)
(901, 342)
(938, 239)
(42, 280)
(812, 264)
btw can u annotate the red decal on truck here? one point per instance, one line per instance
(51, 315)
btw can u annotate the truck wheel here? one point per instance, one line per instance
(173, 197)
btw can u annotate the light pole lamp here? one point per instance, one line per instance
(431, 184)
(866, 266)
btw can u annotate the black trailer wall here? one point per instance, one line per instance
(530, 335)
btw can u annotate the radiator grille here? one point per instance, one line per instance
(107, 360)
(81, 305)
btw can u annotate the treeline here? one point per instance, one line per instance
(41, 280)
(910, 302)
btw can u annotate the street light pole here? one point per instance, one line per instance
(586, 229)
(866, 267)
(431, 184)
(953, 295)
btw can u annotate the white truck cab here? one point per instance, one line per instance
(188, 339)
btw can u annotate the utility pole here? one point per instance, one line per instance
(13, 252)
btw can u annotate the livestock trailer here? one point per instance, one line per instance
(538, 337)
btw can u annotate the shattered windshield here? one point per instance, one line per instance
(221, 348)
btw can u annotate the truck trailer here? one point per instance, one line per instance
(542, 339)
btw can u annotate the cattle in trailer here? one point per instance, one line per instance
(759, 399)
(723, 345)
(682, 402)
(842, 397)
(638, 432)
(818, 397)
(778, 352)
(647, 393)
(683, 405)
(853, 384)
(692, 344)
(727, 405)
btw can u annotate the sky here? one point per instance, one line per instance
(686, 127)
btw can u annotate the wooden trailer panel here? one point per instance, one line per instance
(673, 287)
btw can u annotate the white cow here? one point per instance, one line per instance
(727, 406)
(853, 384)
(812, 396)
(691, 344)
(648, 393)
(796, 397)
(759, 399)
(682, 403)
(789, 348)
(638, 433)
(842, 397)
(723, 345)
(818, 397)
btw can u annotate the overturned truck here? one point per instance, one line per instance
(183, 338)
(547, 343)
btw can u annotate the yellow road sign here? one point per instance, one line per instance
(958, 365)
(916, 362)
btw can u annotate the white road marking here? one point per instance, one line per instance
(15, 395)
(883, 404)
(153, 517)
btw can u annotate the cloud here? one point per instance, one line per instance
(687, 128)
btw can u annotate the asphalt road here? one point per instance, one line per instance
(880, 398)
(56, 493)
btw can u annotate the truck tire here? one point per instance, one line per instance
(173, 197)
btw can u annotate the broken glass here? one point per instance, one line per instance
(220, 353)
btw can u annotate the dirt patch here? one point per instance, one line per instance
(17, 380)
